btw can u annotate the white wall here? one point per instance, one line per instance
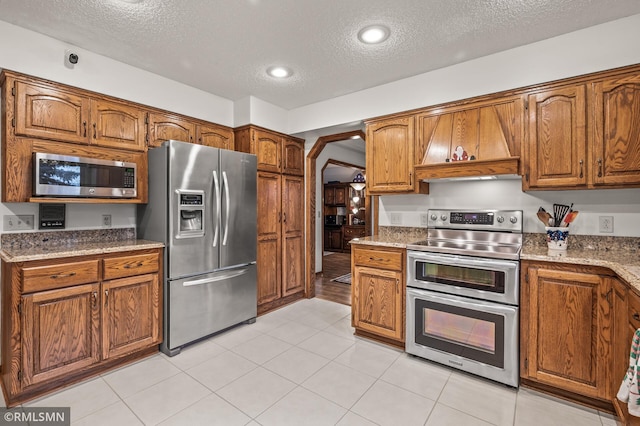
(622, 204)
(339, 174)
(333, 152)
(593, 49)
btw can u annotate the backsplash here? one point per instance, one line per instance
(586, 242)
(62, 238)
(410, 234)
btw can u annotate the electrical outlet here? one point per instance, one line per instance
(106, 220)
(424, 219)
(605, 223)
(395, 218)
(22, 222)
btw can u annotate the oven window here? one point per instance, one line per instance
(461, 276)
(460, 331)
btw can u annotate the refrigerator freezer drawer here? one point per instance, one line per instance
(205, 304)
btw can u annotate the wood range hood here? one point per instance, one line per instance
(480, 140)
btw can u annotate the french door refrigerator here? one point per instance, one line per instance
(202, 206)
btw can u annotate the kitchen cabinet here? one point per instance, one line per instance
(390, 155)
(557, 138)
(280, 249)
(336, 194)
(49, 112)
(70, 318)
(275, 152)
(214, 136)
(378, 293)
(164, 127)
(349, 233)
(465, 137)
(575, 356)
(616, 134)
(333, 238)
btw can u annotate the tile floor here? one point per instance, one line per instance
(301, 365)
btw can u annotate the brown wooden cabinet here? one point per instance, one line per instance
(336, 194)
(378, 293)
(65, 319)
(566, 321)
(164, 127)
(390, 155)
(117, 125)
(349, 232)
(616, 133)
(214, 136)
(333, 238)
(275, 152)
(280, 250)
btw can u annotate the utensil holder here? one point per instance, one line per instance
(557, 237)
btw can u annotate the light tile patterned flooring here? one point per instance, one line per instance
(301, 365)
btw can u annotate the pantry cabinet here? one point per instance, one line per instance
(378, 293)
(70, 318)
(567, 313)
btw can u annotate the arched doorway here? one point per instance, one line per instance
(321, 143)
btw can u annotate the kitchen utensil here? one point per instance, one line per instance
(544, 217)
(559, 212)
(570, 217)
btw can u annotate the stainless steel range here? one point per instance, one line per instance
(463, 292)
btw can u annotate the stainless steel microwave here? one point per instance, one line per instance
(67, 176)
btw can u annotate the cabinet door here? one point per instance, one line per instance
(341, 196)
(335, 239)
(557, 138)
(269, 237)
(569, 331)
(621, 335)
(292, 234)
(215, 136)
(390, 157)
(268, 150)
(60, 332)
(616, 142)
(130, 314)
(44, 112)
(329, 195)
(116, 125)
(292, 157)
(377, 302)
(166, 127)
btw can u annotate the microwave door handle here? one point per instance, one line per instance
(227, 199)
(216, 224)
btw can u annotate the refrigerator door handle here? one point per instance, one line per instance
(216, 187)
(221, 277)
(226, 196)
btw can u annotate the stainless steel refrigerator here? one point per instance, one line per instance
(202, 206)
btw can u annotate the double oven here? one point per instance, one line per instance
(463, 292)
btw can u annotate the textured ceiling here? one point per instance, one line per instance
(225, 46)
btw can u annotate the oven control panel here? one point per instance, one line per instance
(487, 220)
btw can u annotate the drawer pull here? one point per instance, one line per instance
(636, 316)
(106, 297)
(94, 298)
(137, 265)
(55, 276)
(377, 259)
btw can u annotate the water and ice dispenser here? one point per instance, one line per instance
(191, 213)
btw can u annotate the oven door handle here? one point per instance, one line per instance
(464, 261)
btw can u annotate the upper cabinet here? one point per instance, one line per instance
(616, 133)
(481, 138)
(275, 152)
(52, 113)
(164, 127)
(215, 136)
(390, 153)
(557, 138)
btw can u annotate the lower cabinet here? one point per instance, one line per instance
(378, 293)
(64, 320)
(333, 238)
(566, 329)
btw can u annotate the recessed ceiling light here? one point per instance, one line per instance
(279, 72)
(373, 34)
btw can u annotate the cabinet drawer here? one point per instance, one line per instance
(49, 277)
(634, 310)
(126, 266)
(353, 232)
(378, 259)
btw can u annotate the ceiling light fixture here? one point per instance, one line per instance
(279, 72)
(358, 182)
(374, 34)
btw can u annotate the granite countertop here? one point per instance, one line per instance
(75, 249)
(398, 241)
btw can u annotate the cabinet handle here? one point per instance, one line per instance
(636, 316)
(106, 298)
(397, 285)
(279, 217)
(94, 299)
(599, 167)
(284, 217)
(84, 124)
(137, 265)
(581, 168)
(377, 259)
(94, 130)
(55, 276)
